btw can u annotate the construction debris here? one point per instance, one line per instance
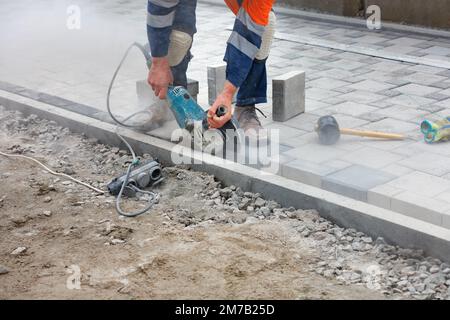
(199, 230)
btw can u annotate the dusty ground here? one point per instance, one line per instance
(189, 246)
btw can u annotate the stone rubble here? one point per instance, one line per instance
(395, 271)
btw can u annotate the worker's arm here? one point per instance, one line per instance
(160, 16)
(242, 47)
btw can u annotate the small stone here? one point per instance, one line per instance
(402, 283)
(226, 193)
(366, 239)
(250, 209)
(215, 195)
(117, 241)
(3, 270)
(69, 171)
(356, 246)
(420, 287)
(305, 233)
(434, 269)
(47, 199)
(328, 273)
(251, 220)
(47, 213)
(18, 250)
(446, 271)
(265, 211)
(260, 202)
(244, 203)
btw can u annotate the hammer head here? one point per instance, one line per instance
(328, 130)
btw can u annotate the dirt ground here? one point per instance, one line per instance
(182, 249)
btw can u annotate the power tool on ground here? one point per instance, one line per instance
(436, 131)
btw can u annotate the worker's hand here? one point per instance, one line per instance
(160, 76)
(225, 99)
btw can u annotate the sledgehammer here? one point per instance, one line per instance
(329, 132)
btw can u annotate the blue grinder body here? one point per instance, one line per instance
(185, 109)
(187, 112)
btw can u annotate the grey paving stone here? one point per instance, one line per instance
(444, 103)
(421, 183)
(391, 125)
(314, 152)
(397, 170)
(398, 82)
(422, 45)
(305, 121)
(410, 100)
(402, 73)
(351, 108)
(381, 195)
(424, 78)
(355, 181)
(372, 116)
(307, 172)
(417, 53)
(360, 96)
(437, 96)
(371, 157)
(403, 113)
(431, 108)
(288, 95)
(430, 163)
(327, 83)
(419, 207)
(390, 93)
(345, 89)
(320, 94)
(445, 73)
(371, 86)
(417, 89)
(334, 100)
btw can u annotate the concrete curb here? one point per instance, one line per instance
(377, 222)
(350, 21)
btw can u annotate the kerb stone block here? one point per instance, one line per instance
(288, 95)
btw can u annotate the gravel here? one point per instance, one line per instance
(349, 256)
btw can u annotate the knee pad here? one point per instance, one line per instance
(180, 43)
(267, 38)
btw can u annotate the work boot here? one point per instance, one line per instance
(249, 122)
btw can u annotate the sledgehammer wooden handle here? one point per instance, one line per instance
(372, 134)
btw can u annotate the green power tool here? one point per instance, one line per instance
(436, 131)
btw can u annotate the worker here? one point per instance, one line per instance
(171, 25)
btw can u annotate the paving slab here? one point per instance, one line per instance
(355, 181)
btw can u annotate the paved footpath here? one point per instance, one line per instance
(348, 76)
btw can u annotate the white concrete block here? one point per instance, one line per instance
(288, 95)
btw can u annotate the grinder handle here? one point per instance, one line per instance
(372, 134)
(221, 111)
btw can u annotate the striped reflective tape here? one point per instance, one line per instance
(243, 45)
(165, 3)
(245, 18)
(160, 21)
